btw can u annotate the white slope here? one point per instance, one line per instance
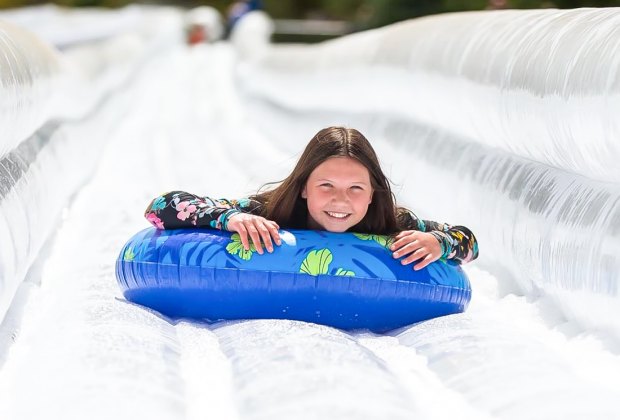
(72, 348)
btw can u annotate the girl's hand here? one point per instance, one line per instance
(416, 245)
(257, 227)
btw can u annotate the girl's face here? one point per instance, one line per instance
(338, 193)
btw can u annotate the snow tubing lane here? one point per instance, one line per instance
(344, 280)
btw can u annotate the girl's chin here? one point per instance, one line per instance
(331, 224)
(336, 227)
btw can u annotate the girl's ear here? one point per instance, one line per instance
(304, 193)
(371, 194)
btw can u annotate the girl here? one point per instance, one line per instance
(338, 186)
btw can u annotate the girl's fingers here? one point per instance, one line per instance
(418, 254)
(426, 261)
(260, 231)
(264, 234)
(405, 248)
(403, 240)
(400, 243)
(273, 230)
(255, 236)
(243, 236)
(403, 234)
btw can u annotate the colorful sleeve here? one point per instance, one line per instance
(457, 243)
(179, 209)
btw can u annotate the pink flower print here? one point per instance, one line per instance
(155, 221)
(186, 210)
(469, 257)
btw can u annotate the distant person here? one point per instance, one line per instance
(497, 4)
(196, 34)
(336, 186)
(239, 9)
(203, 24)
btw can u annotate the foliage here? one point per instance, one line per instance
(376, 11)
(317, 262)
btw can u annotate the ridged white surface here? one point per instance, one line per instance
(29, 73)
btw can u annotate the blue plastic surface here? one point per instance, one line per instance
(343, 280)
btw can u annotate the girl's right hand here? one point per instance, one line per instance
(257, 227)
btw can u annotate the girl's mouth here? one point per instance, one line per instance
(337, 215)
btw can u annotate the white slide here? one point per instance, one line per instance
(539, 340)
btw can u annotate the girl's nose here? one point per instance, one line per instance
(340, 196)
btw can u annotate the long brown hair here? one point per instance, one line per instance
(284, 204)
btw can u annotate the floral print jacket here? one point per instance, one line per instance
(179, 209)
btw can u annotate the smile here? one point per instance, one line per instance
(336, 215)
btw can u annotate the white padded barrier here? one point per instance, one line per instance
(64, 27)
(557, 70)
(89, 97)
(100, 48)
(29, 73)
(504, 121)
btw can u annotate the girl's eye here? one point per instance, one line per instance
(357, 187)
(325, 185)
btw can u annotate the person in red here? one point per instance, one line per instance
(196, 34)
(338, 186)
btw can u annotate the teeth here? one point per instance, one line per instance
(338, 215)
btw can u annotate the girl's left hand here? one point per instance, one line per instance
(416, 245)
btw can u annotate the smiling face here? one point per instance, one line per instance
(338, 193)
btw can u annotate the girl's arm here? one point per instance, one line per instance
(179, 209)
(457, 242)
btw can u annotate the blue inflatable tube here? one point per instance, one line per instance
(344, 280)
